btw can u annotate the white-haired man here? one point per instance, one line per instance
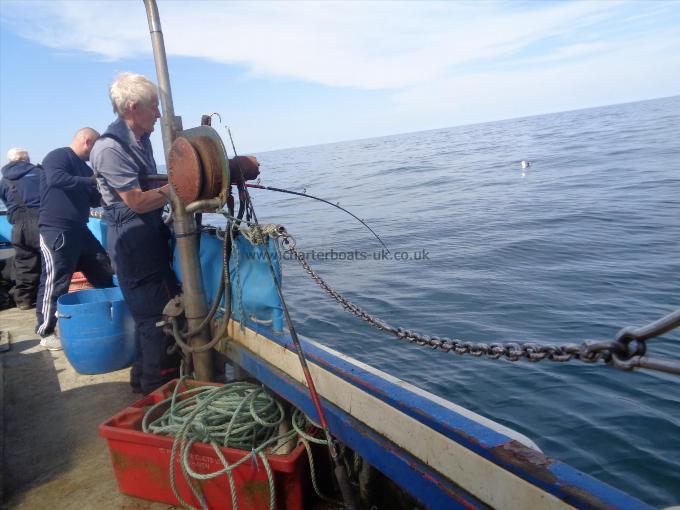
(67, 191)
(137, 239)
(20, 192)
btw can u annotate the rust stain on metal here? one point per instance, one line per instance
(209, 155)
(530, 461)
(184, 170)
(536, 465)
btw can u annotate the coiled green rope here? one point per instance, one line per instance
(238, 415)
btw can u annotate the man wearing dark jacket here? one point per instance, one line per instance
(67, 191)
(20, 192)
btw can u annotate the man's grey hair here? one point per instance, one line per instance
(129, 88)
(17, 154)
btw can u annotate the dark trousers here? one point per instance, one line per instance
(26, 243)
(63, 253)
(138, 244)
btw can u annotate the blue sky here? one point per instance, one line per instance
(286, 74)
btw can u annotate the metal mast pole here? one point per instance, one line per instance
(195, 308)
(170, 125)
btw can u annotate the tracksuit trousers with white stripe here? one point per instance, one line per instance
(65, 251)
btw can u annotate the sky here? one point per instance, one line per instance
(289, 74)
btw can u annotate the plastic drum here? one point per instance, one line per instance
(96, 330)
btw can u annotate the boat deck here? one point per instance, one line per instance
(51, 455)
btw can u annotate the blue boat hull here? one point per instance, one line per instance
(442, 454)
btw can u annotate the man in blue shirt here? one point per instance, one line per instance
(67, 191)
(20, 192)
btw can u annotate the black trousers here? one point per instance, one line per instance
(26, 243)
(64, 252)
(139, 248)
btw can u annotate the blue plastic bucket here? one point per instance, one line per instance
(96, 330)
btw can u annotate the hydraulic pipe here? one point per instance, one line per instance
(195, 308)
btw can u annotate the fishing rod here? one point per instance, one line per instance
(163, 177)
(348, 495)
(298, 193)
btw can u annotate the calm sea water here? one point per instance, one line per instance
(584, 242)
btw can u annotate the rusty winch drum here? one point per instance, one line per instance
(195, 169)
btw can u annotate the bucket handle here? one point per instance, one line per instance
(61, 315)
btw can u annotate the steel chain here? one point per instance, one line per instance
(587, 352)
(626, 352)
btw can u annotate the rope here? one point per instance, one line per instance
(261, 235)
(266, 231)
(239, 415)
(300, 423)
(239, 290)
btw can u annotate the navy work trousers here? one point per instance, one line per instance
(139, 248)
(26, 243)
(65, 251)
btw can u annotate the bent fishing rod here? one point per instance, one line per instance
(300, 194)
(162, 177)
(348, 496)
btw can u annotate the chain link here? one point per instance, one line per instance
(587, 352)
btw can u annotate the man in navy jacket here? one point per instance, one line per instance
(20, 192)
(67, 191)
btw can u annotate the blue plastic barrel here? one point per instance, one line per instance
(96, 330)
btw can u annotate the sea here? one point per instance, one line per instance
(583, 242)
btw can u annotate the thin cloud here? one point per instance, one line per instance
(622, 74)
(365, 45)
(427, 64)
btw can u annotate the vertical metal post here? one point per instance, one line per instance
(170, 125)
(195, 307)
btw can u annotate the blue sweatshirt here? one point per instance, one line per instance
(26, 179)
(67, 190)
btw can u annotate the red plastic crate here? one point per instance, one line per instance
(141, 462)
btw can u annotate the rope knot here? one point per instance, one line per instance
(200, 429)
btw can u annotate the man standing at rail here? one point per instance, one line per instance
(138, 240)
(20, 192)
(67, 191)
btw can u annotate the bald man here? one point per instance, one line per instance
(67, 191)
